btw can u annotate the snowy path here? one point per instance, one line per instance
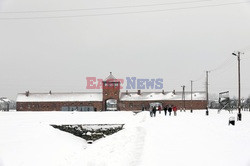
(121, 149)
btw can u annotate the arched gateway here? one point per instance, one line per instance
(111, 105)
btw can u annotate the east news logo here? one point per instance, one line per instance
(131, 83)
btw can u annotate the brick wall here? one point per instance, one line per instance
(122, 105)
(54, 106)
(137, 105)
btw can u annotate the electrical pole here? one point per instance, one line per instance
(191, 97)
(183, 97)
(239, 100)
(207, 92)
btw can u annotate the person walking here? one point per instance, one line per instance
(151, 111)
(154, 111)
(175, 110)
(169, 110)
(159, 109)
(165, 110)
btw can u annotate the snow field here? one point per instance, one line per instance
(27, 139)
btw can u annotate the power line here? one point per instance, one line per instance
(245, 58)
(104, 8)
(245, 49)
(199, 78)
(221, 66)
(228, 60)
(122, 13)
(224, 70)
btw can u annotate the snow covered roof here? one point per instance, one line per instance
(3, 99)
(111, 78)
(133, 96)
(59, 97)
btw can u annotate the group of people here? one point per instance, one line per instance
(167, 108)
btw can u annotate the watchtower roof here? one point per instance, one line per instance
(111, 78)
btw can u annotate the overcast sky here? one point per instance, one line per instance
(177, 42)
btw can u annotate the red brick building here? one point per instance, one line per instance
(110, 99)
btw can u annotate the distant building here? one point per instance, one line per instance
(110, 99)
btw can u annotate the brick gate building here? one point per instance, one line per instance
(110, 99)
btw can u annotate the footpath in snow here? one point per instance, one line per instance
(27, 139)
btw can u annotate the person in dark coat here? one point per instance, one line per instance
(170, 110)
(154, 111)
(165, 110)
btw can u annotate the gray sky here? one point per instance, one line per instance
(177, 45)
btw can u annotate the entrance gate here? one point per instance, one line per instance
(111, 105)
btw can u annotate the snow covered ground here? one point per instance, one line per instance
(27, 139)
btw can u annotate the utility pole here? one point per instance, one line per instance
(239, 100)
(191, 110)
(183, 97)
(207, 92)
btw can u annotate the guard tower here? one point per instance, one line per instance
(110, 92)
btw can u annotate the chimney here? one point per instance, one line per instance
(50, 92)
(27, 93)
(126, 92)
(139, 92)
(163, 91)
